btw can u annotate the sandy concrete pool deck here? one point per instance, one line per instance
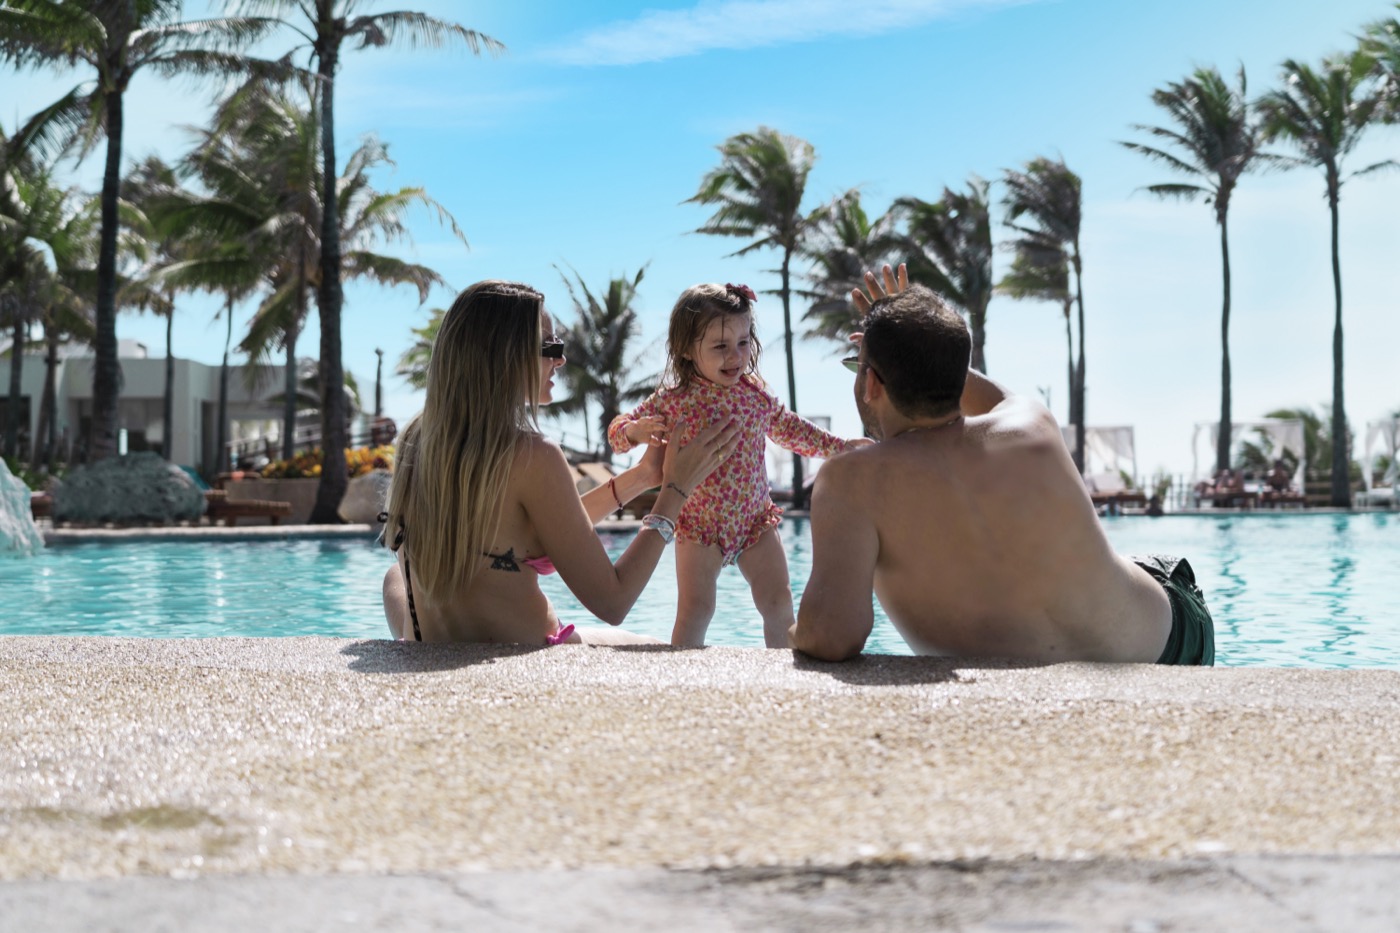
(290, 784)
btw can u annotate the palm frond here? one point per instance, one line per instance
(417, 30)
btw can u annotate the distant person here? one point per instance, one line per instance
(1279, 479)
(382, 432)
(711, 374)
(482, 504)
(969, 520)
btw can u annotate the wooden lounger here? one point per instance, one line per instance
(221, 507)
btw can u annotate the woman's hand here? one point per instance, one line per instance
(688, 464)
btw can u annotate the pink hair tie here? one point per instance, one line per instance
(561, 636)
(742, 291)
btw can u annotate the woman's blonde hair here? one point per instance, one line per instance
(454, 458)
(697, 307)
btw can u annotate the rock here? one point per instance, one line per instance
(18, 533)
(136, 489)
(366, 497)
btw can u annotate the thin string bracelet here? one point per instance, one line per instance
(612, 486)
(684, 494)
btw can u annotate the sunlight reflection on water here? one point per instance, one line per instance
(1285, 590)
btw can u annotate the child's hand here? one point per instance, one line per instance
(652, 431)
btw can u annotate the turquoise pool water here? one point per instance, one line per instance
(1286, 590)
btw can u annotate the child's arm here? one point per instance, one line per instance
(646, 425)
(795, 433)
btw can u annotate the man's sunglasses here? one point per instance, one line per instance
(552, 350)
(852, 363)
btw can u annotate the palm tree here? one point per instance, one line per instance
(153, 190)
(117, 41)
(31, 209)
(1214, 140)
(1041, 276)
(598, 348)
(47, 253)
(950, 247)
(413, 365)
(842, 244)
(757, 190)
(225, 251)
(1324, 113)
(260, 155)
(326, 26)
(1044, 206)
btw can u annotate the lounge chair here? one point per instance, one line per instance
(1110, 493)
(219, 507)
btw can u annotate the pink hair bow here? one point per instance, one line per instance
(741, 290)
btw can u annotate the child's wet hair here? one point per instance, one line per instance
(698, 307)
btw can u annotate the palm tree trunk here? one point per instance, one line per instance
(167, 441)
(979, 339)
(223, 464)
(38, 450)
(289, 396)
(289, 390)
(17, 336)
(799, 498)
(1226, 433)
(329, 298)
(51, 394)
(106, 373)
(1341, 477)
(1069, 357)
(1079, 405)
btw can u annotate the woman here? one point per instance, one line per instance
(482, 503)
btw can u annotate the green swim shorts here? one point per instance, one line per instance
(1192, 640)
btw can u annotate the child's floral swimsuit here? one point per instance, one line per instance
(732, 507)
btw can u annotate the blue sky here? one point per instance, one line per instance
(578, 146)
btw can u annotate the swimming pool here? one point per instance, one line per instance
(1285, 590)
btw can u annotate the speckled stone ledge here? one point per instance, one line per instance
(124, 757)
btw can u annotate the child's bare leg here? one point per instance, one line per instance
(697, 569)
(764, 565)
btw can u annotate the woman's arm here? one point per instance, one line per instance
(601, 501)
(561, 520)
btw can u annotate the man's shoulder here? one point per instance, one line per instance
(850, 469)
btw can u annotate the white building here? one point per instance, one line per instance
(254, 408)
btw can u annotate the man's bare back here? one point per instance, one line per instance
(970, 522)
(985, 545)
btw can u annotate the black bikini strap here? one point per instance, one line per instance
(407, 573)
(412, 612)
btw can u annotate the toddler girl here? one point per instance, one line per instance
(712, 376)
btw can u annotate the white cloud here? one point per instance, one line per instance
(658, 35)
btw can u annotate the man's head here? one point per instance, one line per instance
(918, 347)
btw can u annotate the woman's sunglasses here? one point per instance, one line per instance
(552, 350)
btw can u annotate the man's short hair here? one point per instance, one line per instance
(919, 347)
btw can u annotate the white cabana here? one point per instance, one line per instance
(1110, 451)
(1382, 437)
(1281, 433)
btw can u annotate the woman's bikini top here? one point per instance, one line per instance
(507, 561)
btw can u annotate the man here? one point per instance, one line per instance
(969, 520)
